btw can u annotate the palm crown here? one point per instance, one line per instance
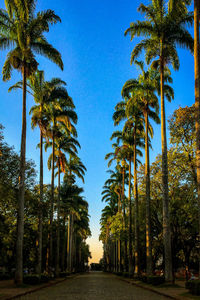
(22, 32)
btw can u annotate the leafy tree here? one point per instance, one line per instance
(23, 29)
(163, 30)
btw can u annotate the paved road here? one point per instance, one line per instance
(93, 286)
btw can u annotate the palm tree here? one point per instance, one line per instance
(146, 100)
(116, 181)
(120, 155)
(108, 212)
(70, 195)
(61, 115)
(41, 91)
(68, 145)
(197, 100)
(182, 4)
(82, 231)
(134, 127)
(73, 166)
(130, 152)
(21, 28)
(162, 33)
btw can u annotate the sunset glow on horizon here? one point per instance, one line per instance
(96, 249)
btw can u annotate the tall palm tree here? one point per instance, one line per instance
(181, 4)
(146, 100)
(41, 91)
(130, 152)
(74, 167)
(70, 195)
(63, 144)
(197, 100)
(21, 28)
(71, 204)
(120, 155)
(134, 127)
(116, 181)
(162, 32)
(111, 198)
(61, 116)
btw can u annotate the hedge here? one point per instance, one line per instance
(5, 276)
(64, 274)
(155, 280)
(193, 286)
(34, 279)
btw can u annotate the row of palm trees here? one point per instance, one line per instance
(22, 33)
(165, 27)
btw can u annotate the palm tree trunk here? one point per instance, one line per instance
(116, 256)
(148, 208)
(68, 243)
(71, 242)
(197, 102)
(130, 223)
(137, 266)
(40, 217)
(166, 217)
(51, 208)
(119, 243)
(124, 223)
(119, 255)
(20, 210)
(58, 226)
(64, 246)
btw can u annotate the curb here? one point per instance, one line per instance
(152, 290)
(40, 288)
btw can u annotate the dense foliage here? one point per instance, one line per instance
(150, 224)
(44, 227)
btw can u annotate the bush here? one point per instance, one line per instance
(64, 274)
(119, 273)
(143, 278)
(155, 280)
(188, 284)
(193, 286)
(126, 275)
(5, 276)
(32, 279)
(44, 278)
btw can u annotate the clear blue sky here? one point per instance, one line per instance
(96, 59)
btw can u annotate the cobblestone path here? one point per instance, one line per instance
(93, 286)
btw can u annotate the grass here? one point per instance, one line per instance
(188, 295)
(169, 285)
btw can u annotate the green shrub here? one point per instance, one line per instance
(5, 276)
(193, 286)
(188, 284)
(143, 278)
(64, 274)
(44, 278)
(118, 273)
(155, 280)
(32, 279)
(126, 274)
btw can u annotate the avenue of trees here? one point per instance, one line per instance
(151, 220)
(43, 227)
